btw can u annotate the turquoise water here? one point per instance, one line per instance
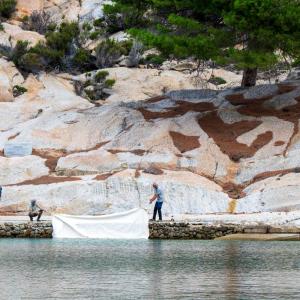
(96, 269)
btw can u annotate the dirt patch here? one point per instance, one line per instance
(102, 177)
(137, 173)
(138, 152)
(266, 175)
(262, 140)
(180, 109)
(183, 142)
(47, 180)
(279, 143)
(234, 191)
(225, 136)
(13, 136)
(98, 146)
(51, 156)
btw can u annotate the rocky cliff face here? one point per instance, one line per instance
(212, 151)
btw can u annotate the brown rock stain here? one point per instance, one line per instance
(183, 142)
(225, 136)
(46, 180)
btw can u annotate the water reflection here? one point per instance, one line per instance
(231, 281)
(149, 270)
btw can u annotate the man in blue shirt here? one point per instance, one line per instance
(159, 197)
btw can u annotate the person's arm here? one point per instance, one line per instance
(153, 198)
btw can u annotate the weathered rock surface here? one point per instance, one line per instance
(212, 151)
(13, 33)
(21, 169)
(185, 192)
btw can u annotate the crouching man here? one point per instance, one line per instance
(158, 196)
(35, 211)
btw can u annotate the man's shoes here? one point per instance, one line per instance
(152, 220)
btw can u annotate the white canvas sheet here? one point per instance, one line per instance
(132, 224)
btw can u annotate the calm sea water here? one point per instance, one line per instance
(96, 269)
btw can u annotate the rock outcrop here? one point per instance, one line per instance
(222, 149)
(212, 151)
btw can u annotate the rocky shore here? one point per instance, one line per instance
(183, 230)
(158, 230)
(26, 230)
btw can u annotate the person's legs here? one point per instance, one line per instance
(32, 215)
(159, 205)
(40, 214)
(155, 212)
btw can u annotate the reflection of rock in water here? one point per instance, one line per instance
(231, 278)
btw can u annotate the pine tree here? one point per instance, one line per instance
(252, 34)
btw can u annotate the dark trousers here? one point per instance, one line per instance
(35, 214)
(157, 208)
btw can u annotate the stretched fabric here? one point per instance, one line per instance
(132, 224)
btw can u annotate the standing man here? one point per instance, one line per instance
(35, 211)
(159, 197)
(0, 192)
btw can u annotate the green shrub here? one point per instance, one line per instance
(119, 17)
(87, 26)
(98, 22)
(101, 75)
(82, 59)
(217, 80)
(154, 59)
(1, 27)
(18, 90)
(62, 39)
(108, 52)
(52, 57)
(7, 7)
(32, 62)
(15, 53)
(51, 27)
(109, 83)
(94, 87)
(56, 52)
(95, 34)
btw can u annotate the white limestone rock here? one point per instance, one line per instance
(278, 193)
(184, 192)
(20, 169)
